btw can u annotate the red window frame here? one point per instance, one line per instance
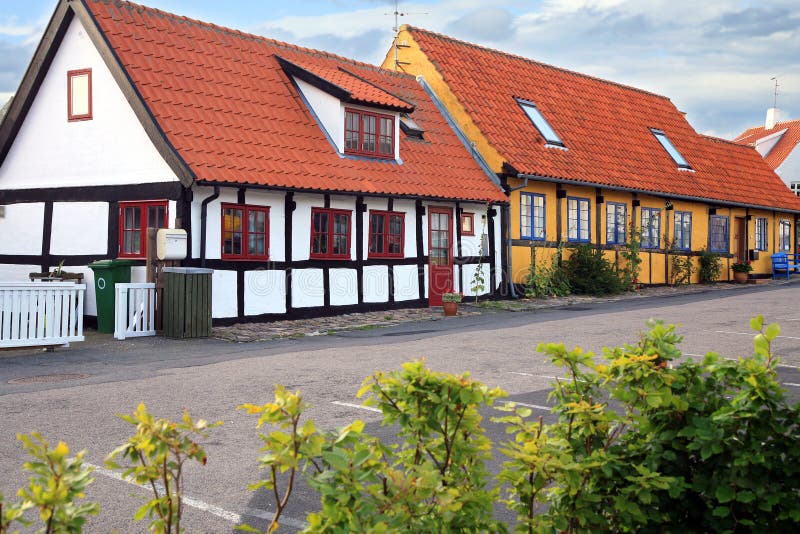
(329, 234)
(378, 136)
(245, 232)
(142, 228)
(71, 117)
(385, 234)
(467, 217)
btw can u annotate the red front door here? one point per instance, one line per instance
(440, 254)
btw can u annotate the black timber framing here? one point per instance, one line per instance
(289, 206)
(47, 232)
(457, 222)
(361, 208)
(97, 193)
(420, 213)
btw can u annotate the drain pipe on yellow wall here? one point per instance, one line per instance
(508, 233)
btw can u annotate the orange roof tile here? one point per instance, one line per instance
(605, 126)
(782, 148)
(231, 112)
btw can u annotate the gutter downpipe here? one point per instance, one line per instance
(203, 213)
(508, 233)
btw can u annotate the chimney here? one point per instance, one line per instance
(772, 118)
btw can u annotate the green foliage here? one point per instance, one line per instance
(452, 297)
(590, 273)
(629, 272)
(156, 454)
(682, 267)
(478, 284)
(56, 483)
(641, 446)
(291, 449)
(434, 480)
(546, 280)
(710, 266)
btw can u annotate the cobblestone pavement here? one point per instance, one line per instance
(247, 332)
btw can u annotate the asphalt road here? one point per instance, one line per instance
(210, 378)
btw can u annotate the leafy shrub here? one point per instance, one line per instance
(629, 272)
(546, 280)
(54, 487)
(156, 456)
(710, 266)
(590, 273)
(682, 267)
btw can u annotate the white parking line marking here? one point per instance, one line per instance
(233, 517)
(791, 384)
(736, 359)
(542, 376)
(748, 334)
(360, 407)
(535, 406)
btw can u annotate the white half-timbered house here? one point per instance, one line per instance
(310, 183)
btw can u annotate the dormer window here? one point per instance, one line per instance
(538, 120)
(368, 134)
(671, 150)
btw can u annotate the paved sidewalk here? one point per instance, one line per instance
(248, 332)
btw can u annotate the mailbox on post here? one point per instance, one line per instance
(171, 244)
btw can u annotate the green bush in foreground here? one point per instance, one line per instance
(642, 442)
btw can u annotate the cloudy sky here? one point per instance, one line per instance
(713, 58)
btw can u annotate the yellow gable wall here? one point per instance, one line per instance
(656, 264)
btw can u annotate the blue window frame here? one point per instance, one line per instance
(761, 233)
(651, 227)
(785, 236)
(718, 233)
(578, 220)
(531, 213)
(683, 230)
(616, 218)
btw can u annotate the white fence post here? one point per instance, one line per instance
(40, 314)
(134, 310)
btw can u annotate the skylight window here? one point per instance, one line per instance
(541, 123)
(409, 127)
(670, 148)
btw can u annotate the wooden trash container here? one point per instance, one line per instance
(186, 305)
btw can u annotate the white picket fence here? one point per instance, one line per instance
(134, 310)
(40, 313)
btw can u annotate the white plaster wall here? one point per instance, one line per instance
(405, 282)
(426, 284)
(18, 273)
(469, 273)
(21, 230)
(223, 294)
(199, 194)
(49, 151)
(214, 223)
(343, 286)
(471, 244)
(307, 288)
(410, 239)
(328, 109)
(277, 219)
(301, 223)
(789, 170)
(79, 228)
(498, 246)
(138, 274)
(264, 292)
(376, 284)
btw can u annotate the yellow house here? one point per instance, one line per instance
(584, 160)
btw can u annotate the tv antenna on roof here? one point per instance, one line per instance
(396, 31)
(775, 97)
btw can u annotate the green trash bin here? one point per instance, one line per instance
(106, 274)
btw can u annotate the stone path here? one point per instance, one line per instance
(247, 332)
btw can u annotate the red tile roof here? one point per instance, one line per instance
(231, 112)
(605, 126)
(782, 148)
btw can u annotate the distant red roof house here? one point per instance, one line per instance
(778, 146)
(608, 129)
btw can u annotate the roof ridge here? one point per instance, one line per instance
(247, 35)
(716, 139)
(529, 60)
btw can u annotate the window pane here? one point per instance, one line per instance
(80, 94)
(369, 133)
(257, 222)
(396, 225)
(351, 130)
(156, 216)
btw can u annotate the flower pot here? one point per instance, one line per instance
(450, 308)
(740, 277)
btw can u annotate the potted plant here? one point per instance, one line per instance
(741, 270)
(450, 302)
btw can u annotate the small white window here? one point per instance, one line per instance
(541, 123)
(79, 95)
(670, 148)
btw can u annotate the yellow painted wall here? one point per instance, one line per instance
(655, 266)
